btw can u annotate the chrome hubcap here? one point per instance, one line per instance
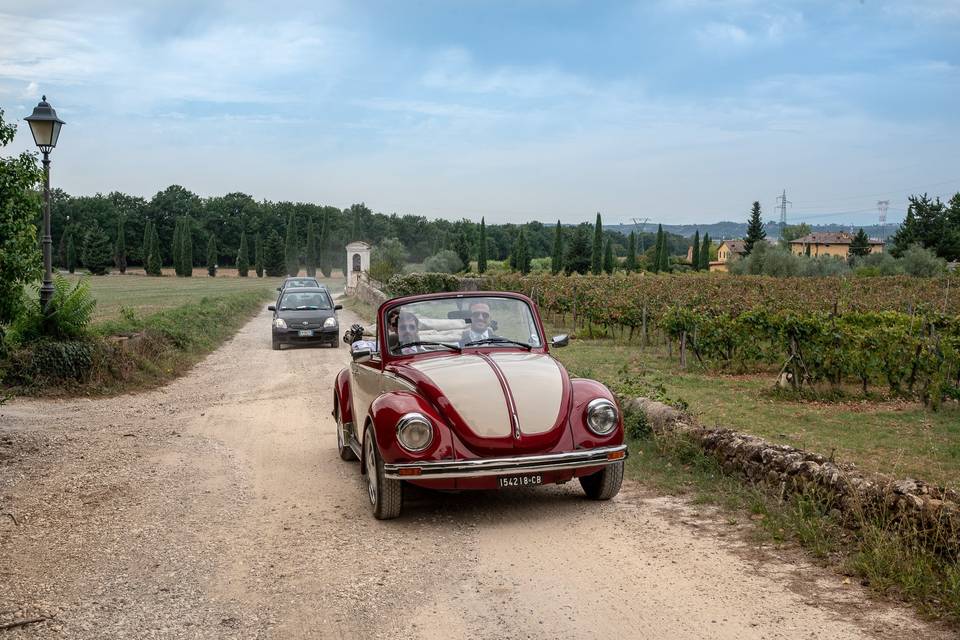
(371, 470)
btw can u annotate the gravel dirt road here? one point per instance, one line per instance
(217, 507)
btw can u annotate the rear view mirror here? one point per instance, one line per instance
(561, 340)
(337, 307)
(272, 307)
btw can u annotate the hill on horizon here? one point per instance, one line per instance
(726, 229)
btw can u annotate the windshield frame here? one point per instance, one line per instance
(389, 305)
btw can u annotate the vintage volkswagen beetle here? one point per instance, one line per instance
(460, 392)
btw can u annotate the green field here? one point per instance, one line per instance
(890, 436)
(148, 295)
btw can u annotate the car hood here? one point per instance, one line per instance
(306, 314)
(497, 400)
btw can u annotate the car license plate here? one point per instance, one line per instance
(305, 333)
(519, 481)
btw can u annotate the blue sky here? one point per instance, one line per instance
(678, 110)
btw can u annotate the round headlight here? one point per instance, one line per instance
(280, 323)
(414, 432)
(330, 322)
(602, 416)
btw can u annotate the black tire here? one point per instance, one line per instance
(603, 484)
(276, 344)
(346, 453)
(386, 496)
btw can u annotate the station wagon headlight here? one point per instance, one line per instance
(602, 416)
(280, 323)
(414, 432)
(330, 322)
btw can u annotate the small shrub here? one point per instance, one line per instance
(922, 263)
(635, 425)
(49, 361)
(445, 261)
(72, 310)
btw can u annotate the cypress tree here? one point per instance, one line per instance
(705, 253)
(860, 246)
(523, 253)
(695, 254)
(655, 264)
(120, 246)
(596, 255)
(154, 261)
(212, 256)
(578, 252)
(755, 232)
(664, 254)
(482, 251)
(462, 248)
(326, 264)
(96, 251)
(608, 262)
(291, 252)
(311, 250)
(177, 249)
(186, 247)
(631, 263)
(243, 263)
(273, 261)
(71, 253)
(556, 259)
(145, 247)
(258, 256)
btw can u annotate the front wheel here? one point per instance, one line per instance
(386, 495)
(603, 484)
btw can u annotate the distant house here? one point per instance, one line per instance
(727, 251)
(829, 244)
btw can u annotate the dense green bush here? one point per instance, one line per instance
(415, 283)
(69, 318)
(46, 362)
(445, 261)
(922, 263)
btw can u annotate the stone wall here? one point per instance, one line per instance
(930, 512)
(369, 294)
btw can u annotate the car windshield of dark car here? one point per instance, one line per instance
(466, 323)
(301, 282)
(304, 301)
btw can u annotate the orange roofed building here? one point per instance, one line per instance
(835, 244)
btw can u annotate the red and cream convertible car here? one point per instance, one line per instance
(460, 392)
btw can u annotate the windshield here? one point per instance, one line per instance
(461, 323)
(304, 301)
(300, 282)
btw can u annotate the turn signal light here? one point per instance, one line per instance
(415, 471)
(616, 455)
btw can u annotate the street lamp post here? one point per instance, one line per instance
(45, 127)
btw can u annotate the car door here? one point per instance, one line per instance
(364, 388)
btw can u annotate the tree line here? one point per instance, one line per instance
(184, 222)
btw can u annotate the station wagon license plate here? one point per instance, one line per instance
(519, 481)
(305, 333)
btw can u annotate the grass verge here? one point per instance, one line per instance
(133, 351)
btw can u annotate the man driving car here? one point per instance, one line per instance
(479, 327)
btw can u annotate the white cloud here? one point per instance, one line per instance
(454, 70)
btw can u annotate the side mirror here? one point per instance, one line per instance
(561, 340)
(360, 355)
(279, 289)
(272, 307)
(337, 307)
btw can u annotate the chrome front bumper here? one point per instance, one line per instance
(505, 466)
